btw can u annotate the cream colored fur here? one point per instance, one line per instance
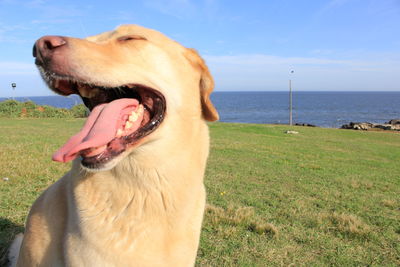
(147, 209)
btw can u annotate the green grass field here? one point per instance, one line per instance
(323, 197)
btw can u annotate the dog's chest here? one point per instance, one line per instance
(117, 220)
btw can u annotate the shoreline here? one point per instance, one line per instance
(321, 109)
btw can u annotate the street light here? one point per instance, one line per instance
(290, 101)
(13, 85)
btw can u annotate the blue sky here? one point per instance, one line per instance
(340, 45)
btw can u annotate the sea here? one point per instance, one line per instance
(324, 109)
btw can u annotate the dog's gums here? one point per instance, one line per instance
(129, 113)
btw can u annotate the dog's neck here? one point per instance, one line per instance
(134, 199)
(136, 189)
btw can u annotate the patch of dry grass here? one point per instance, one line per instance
(263, 228)
(239, 217)
(390, 203)
(347, 224)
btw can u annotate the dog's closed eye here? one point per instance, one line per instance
(130, 38)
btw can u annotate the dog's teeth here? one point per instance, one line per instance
(119, 132)
(128, 125)
(94, 92)
(56, 83)
(83, 90)
(133, 117)
(140, 109)
(87, 91)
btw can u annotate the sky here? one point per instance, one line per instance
(331, 45)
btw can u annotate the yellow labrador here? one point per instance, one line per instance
(135, 194)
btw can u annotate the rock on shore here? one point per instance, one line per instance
(393, 125)
(394, 121)
(305, 124)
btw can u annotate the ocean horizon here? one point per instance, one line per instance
(321, 108)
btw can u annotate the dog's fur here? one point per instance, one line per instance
(147, 208)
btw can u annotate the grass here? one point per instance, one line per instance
(16, 109)
(323, 197)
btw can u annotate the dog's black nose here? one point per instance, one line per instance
(45, 47)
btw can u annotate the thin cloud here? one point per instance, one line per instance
(48, 11)
(186, 9)
(383, 59)
(15, 67)
(8, 33)
(45, 14)
(260, 59)
(266, 72)
(14, 27)
(384, 8)
(7, 2)
(176, 8)
(35, 3)
(322, 52)
(51, 21)
(331, 5)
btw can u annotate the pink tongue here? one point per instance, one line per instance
(100, 128)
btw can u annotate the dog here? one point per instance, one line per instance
(135, 194)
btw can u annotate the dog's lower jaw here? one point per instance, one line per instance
(108, 165)
(104, 167)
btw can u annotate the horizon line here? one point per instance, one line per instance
(237, 91)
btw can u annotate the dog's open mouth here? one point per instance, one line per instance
(120, 117)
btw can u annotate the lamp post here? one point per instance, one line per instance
(290, 101)
(13, 85)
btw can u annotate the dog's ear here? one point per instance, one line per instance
(206, 85)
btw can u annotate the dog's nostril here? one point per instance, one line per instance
(53, 42)
(45, 46)
(48, 45)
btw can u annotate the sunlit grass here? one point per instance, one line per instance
(322, 197)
